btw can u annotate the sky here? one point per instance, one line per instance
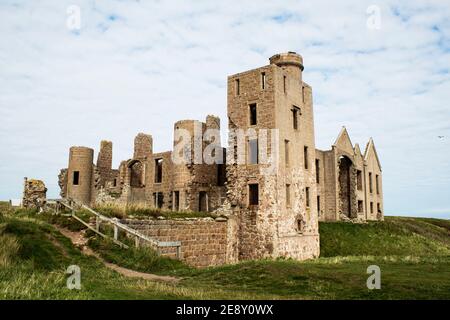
(381, 68)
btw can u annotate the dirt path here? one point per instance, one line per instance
(80, 241)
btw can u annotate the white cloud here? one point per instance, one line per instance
(139, 66)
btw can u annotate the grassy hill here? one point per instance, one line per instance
(413, 254)
(397, 236)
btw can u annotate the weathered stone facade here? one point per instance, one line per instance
(274, 205)
(204, 241)
(34, 194)
(349, 183)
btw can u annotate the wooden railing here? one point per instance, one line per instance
(117, 226)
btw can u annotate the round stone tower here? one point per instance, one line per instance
(292, 62)
(79, 176)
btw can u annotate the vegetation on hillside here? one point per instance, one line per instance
(144, 212)
(413, 255)
(143, 259)
(396, 236)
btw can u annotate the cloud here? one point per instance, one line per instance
(139, 66)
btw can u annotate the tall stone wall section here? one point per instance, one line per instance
(204, 241)
(275, 226)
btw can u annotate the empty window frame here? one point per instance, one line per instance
(378, 208)
(370, 182)
(307, 196)
(203, 201)
(376, 184)
(158, 199)
(318, 204)
(359, 179)
(253, 114)
(115, 183)
(176, 201)
(253, 194)
(221, 174)
(305, 156)
(158, 170)
(317, 170)
(263, 80)
(371, 207)
(295, 114)
(253, 151)
(237, 87)
(286, 152)
(76, 178)
(284, 84)
(288, 195)
(300, 225)
(360, 206)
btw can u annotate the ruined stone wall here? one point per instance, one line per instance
(330, 186)
(374, 197)
(143, 146)
(204, 241)
(359, 194)
(320, 185)
(104, 161)
(62, 182)
(34, 194)
(257, 225)
(166, 185)
(204, 177)
(337, 207)
(344, 169)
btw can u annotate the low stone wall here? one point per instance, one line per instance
(204, 241)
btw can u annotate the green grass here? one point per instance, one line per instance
(34, 268)
(394, 236)
(413, 254)
(328, 278)
(138, 212)
(142, 259)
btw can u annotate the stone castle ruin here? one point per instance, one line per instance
(270, 185)
(34, 194)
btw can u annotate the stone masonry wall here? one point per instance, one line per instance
(204, 241)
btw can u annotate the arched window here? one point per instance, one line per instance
(136, 174)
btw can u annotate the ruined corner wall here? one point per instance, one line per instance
(327, 186)
(204, 241)
(374, 198)
(34, 194)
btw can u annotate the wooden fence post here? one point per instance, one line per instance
(97, 223)
(116, 232)
(136, 242)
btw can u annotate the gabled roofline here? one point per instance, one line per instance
(341, 133)
(371, 146)
(357, 150)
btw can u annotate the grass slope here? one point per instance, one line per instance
(413, 255)
(396, 236)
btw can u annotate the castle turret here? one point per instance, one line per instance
(291, 62)
(79, 182)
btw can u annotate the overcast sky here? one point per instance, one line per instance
(139, 66)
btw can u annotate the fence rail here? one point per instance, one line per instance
(117, 226)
